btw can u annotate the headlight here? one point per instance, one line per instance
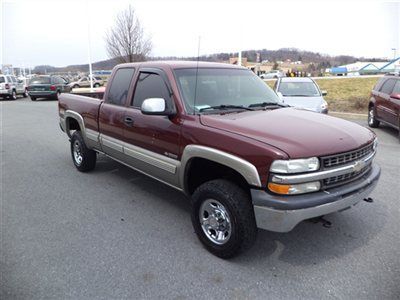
(375, 145)
(293, 189)
(295, 165)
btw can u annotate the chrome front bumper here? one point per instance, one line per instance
(282, 214)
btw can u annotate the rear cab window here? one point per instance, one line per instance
(120, 85)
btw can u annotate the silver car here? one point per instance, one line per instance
(302, 92)
(10, 87)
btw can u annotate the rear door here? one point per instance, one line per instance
(153, 141)
(112, 112)
(383, 106)
(394, 106)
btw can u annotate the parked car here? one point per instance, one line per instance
(272, 74)
(85, 82)
(302, 92)
(46, 86)
(11, 87)
(384, 103)
(244, 159)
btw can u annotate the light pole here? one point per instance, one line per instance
(394, 53)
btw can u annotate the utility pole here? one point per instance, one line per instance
(394, 53)
(89, 50)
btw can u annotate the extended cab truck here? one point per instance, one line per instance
(219, 134)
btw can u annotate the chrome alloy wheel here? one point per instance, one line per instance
(371, 116)
(215, 221)
(77, 151)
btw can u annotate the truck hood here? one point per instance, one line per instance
(299, 133)
(310, 103)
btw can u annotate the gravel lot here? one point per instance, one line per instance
(116, 234)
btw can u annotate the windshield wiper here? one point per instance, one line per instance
(225, 106)
(265, 104)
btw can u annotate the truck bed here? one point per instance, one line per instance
(87, 107)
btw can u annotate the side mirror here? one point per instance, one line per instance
(324, 93)
(156, 106)
(395, 96)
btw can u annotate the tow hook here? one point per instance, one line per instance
(325, 223)
(369, 200)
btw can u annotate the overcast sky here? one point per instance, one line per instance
(56, 32)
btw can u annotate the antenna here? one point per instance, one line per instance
(197, 72)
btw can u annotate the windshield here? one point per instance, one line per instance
(222, 87)
(305, 89)
(40, 80)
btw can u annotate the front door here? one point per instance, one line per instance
(153, 141)
(383, 106)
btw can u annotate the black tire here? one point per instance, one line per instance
(33, 98)
(76, 86)
(84, 159)
(13, 95)
(239, 209)
(372, 121)
(57, 95)
(25, 94)
(96, 85)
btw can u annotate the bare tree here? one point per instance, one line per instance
(126, 41)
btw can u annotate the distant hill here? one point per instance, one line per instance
(283, 54)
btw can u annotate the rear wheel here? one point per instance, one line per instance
(57, 95)
(75, 86)
(372, 121)
(223, 218)
(25, 94)
(13, 95)
(33, 98)
(84, 159)
(96, 85)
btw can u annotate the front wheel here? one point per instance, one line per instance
(84, 159)
(96, 85)
(223, 218)
(25, 94)
(372, 121)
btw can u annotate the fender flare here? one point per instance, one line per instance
(243, 167)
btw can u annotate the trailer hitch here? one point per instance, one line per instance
(322, 220)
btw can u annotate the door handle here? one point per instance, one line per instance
(128, 121)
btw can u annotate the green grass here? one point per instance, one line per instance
(346, 94)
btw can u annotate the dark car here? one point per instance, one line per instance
(46, 86)
(384, 104)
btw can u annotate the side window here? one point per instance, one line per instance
(9, 80)
(149, 85)
(387, 87)
(120, 86)
(396, 89)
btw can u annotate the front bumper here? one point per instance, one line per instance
(283, 213)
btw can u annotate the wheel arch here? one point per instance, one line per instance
(208, 163)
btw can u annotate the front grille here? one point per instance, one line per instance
(342, 179)
(348, 157)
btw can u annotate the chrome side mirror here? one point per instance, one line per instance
(324, 93)
(156, 106)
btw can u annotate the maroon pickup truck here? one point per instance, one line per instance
(219, 134)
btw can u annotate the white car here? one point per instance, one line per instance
(272, 74)
(10, 87)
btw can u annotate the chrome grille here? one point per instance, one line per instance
(341, 179)
(348, 157)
